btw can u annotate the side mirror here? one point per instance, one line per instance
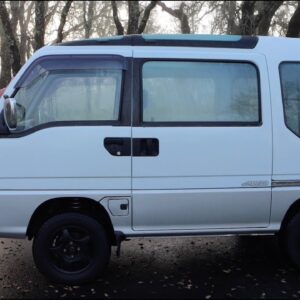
(13, 113)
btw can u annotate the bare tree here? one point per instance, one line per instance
(135, 23)
(231, 16)
(5, 60)
(146, 16)
(256, 16)
(62, 23)
(190, 13)
(293, 29)
(245, 17)
(267, 12)
(39, 36)
(25, 17)
(27, 25)
(10, 38)
(178, 13)
(22, 39)
(15, 14)
(88, 15)
(133, 17)
(246, 25)
(119, 26)
(102, 22)
(51, 12)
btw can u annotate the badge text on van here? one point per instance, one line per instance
(255, 183)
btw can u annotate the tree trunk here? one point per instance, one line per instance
(133, 17)
(11, 42)
(231, 26)
(264, 17)
(5, 76)
(260, 22)
(294, 24)
(15, 15)
(6, 59)
(88, 15)
(184, 21)
(23, 27)
(247, 22)
(39, 36)
(26, 42)
(63, 18)
(135, 25)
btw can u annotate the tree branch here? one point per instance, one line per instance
(63, 18)
(146, 16)
(39, 35)
(51, 13)
(119, 26)
(172, 12)
(75, 27)
(262, 21)
(179, 14)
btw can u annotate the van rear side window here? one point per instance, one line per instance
(213, 92)
(290, 86)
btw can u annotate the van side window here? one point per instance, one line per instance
(215, 92)
(290, 85)
(70, 95)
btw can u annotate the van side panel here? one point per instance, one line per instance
(286, 145)
(204, 176)
(61, 160)
(18, 206)
(202, 209)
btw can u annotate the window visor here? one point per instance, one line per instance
(70, 62)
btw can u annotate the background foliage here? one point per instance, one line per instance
(26, 26)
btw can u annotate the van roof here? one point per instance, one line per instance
(180, 40)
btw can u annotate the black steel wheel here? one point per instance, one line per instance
(289, 240)
(71, 248)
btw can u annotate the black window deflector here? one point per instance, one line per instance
(70, 62)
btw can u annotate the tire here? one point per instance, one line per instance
(289, 241)
(71, 248)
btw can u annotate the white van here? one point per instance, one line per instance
(150, 135)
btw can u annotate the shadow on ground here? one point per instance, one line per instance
(200, 267)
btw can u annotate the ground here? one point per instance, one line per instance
(198, 267)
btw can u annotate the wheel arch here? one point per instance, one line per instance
(56, 206)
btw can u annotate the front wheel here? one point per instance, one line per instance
(71, 248)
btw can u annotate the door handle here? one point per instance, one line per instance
(140, 146)
(118, 146)
(145, 147)
(114, 141)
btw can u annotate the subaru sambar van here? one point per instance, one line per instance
(150, 135)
